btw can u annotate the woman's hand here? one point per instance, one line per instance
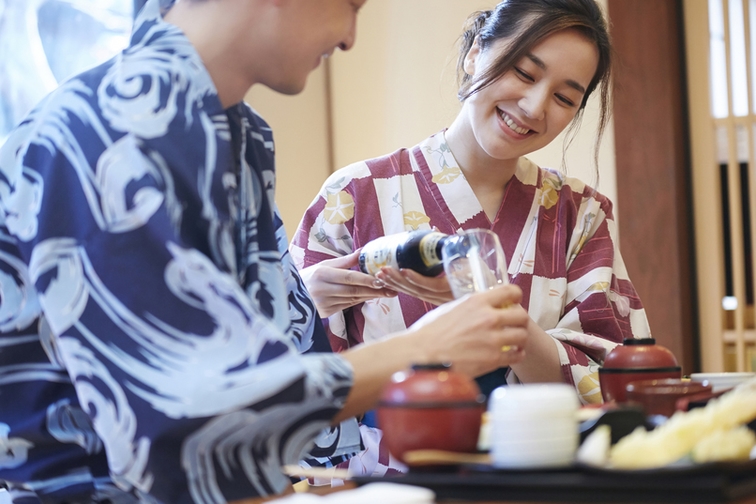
(335, 287)
(434, 290)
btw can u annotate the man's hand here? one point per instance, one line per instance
(477, 333)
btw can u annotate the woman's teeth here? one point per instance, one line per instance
(512, 125)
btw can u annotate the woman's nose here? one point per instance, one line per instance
(533, 103)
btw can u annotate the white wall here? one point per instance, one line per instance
(396, 87)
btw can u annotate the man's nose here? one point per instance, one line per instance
(348, 41)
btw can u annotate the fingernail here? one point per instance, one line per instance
(378, 284)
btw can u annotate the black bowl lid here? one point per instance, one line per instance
(667, 369)
(639, 341)
(470, 403)
(432, 366)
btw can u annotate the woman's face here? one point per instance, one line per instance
(527, 107)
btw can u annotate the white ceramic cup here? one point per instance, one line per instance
(533, 425)
(526, 458)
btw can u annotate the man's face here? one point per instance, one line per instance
(308, 31)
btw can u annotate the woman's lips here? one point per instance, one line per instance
(511, 124)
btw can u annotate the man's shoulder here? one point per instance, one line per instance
(253, 116)
(257, 128)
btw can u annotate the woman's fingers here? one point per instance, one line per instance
(438, 285)
(432, 289)
(335, 287)
(344, 262)
(346, 283)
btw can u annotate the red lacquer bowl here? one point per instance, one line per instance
(430, 407)
(659, 397)
(635, 360)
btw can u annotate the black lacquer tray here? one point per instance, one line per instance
(706, 483)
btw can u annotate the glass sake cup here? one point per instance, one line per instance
(474, 262)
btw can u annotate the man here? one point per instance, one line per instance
(157, 343)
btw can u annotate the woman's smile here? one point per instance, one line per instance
(510, 125)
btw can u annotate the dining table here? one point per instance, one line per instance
(323, 491)
(492, 486)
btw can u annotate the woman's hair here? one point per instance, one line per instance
(525, 23)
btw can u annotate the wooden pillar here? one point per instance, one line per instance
(653, 169)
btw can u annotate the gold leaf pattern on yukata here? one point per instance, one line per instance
(599, 287)
(447, 175)
(415, 219)
(339, 208)
(587, 220)
(589, 389)
(550, 192)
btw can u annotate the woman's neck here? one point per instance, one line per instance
(487, 176)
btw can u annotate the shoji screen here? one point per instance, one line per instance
(720, 49)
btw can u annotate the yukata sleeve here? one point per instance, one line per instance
(326, 232)
(195, 393)
(601, 305)
(337, 443)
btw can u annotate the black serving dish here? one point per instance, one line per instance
(622, 420)
(692, 484)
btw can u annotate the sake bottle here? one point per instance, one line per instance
(416, 250)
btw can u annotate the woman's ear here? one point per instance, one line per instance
(471, 57)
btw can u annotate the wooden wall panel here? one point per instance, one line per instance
(653, 174)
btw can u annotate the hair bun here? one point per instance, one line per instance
(475, 23)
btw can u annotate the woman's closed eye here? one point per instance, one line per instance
(524, 75)
(530, 79)
(565, 100)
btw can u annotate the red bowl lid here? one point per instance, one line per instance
(641, 353)
(430, 384)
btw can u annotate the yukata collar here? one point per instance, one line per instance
(151, 30)
(153, 9)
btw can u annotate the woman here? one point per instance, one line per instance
(527, 70)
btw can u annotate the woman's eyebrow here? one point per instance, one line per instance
(540, 64)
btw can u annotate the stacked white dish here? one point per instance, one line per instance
(722, 381)
(533, 425)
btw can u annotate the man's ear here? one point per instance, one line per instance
(471, 57)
